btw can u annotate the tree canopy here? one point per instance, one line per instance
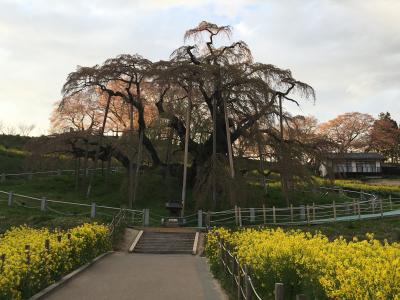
(230, 97)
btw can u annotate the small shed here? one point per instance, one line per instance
(352, 164)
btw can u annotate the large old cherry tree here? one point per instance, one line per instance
(210, 93)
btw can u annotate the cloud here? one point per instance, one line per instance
(349, 51)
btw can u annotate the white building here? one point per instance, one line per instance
(352, 164)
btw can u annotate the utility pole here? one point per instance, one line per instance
(185, 158)
(214, 154)
(228, 140)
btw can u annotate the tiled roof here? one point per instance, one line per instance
(363, 155)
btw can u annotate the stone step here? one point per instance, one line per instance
(165, 243)
(168, 235)
(158, 251)
(163, 249)
(149, 242)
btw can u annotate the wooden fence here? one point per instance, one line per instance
(359, 207)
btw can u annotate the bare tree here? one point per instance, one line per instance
(10, 130)
(25, 129)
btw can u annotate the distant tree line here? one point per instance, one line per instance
(21, 129)
(358, 132)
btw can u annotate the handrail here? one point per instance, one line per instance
(367, 206)
(247, 289)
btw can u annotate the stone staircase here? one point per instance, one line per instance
(164, 242)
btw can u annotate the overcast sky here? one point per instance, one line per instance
(348, 50)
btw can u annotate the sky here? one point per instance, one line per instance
(347, 50)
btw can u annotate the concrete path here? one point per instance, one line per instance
(121, 275)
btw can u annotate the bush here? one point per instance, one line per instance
(25, 272)
(313, 265)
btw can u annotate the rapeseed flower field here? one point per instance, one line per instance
(311, 264)
(31, 259)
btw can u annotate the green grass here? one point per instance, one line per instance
(16, 216)
(11, 160)
(153, 192)
(365, 186)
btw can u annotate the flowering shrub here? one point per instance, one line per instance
(313, 265)
(25, 271)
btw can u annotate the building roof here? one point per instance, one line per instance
(363, 155)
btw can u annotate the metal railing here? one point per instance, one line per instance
(363, 206)
(116, 222)
(133, 217)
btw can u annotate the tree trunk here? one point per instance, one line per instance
(138, 164)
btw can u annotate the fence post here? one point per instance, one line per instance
(47, 244)
(273, 214)
(279, 291)
(93, 210)
(43, 204)
(313, 211)
(247, 287)
(264, 214)
(234, 270)
(291, 213)
(221, 252)
(143, 216)
(348, 209)
(236, 216)
(358, 209)
(252, 215)
(28, 254)
(30, 176)
(308, 214)
(3, 178)
(390, 202)
(334, 210)
(373, 205)
(302, 213)
(341, 192)
(239, 282)
(240, 216)
(2, 258)
(10, 198)
(381, 207)
(208, 219)
(200, 218)
(146, 216)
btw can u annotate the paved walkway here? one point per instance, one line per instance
(121, 276)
